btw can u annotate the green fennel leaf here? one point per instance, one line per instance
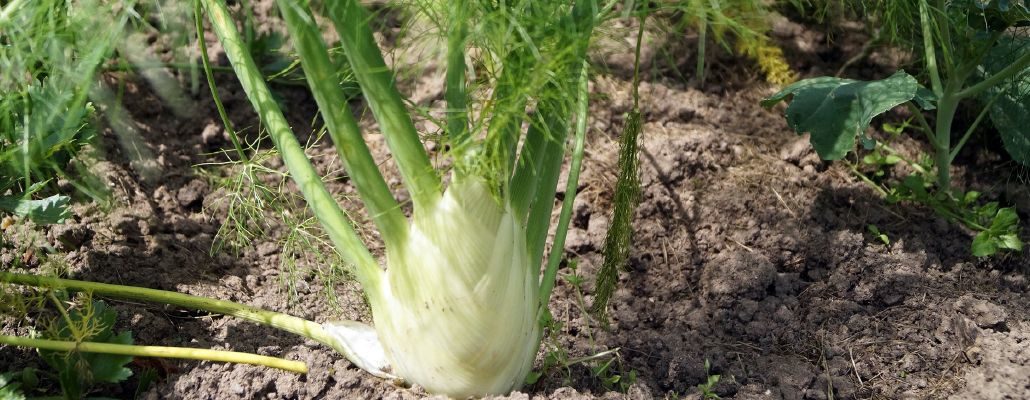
(837, 111)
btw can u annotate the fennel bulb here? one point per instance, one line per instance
(457, 312)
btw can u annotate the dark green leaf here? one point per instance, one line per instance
(1011, 111)
(29, 378)
(837, 111)
(110, 368)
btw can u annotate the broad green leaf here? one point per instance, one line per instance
(1005, 220)
(51, 210)
(984, 245)
(1011, 111)
(837, 111)
(1010, 241)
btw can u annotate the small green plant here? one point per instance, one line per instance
(78, 372)
(707, 387)
(610, 373)
(972, 51)
(605, 365)
(875, 231)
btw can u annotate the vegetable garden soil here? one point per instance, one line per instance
(749, 253)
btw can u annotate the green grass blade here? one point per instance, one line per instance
(343, 129)
(377, 84)
(321, 202)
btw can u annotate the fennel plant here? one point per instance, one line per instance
(460, 303)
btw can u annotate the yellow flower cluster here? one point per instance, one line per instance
(770, 59)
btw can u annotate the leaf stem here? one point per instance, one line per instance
(456, 95)
(946, 108)
(198, 20)
(972, 127)
(1012, 69)
(558, 247)
(157, 351)
(927, 129)
(289, 323)
(321, 202)
(343, 129)
(929, 50)
(377, 84)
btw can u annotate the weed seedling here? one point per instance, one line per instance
(707, 386)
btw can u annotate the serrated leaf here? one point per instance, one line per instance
(51, 210)
(984, 245)
(837, 111)
(110, 368)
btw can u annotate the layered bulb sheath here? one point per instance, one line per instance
(458, 310)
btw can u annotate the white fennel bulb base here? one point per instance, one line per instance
(457, 311)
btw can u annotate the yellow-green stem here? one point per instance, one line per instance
(289, 323)
(157, 351)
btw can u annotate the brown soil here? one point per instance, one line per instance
(749, 253)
